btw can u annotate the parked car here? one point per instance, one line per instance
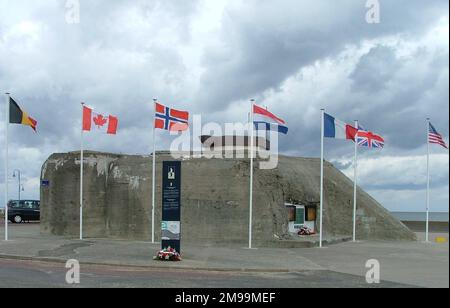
(23, 210)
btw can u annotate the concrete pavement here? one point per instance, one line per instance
(406, 263)
(416, 263)
(136, 253)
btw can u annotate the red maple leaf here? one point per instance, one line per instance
(99, 120)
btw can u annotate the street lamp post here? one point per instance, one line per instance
(17, 171)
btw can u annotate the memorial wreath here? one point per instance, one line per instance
(168, 254)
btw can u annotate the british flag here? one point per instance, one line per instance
(170, 119)
(370, 140)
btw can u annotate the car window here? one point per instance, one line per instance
(26, 205)
(14, 204)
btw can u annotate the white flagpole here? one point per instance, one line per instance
(427, 228)
(250, 225)
(154, 174)
(355, 182)
(81, 176)
(321, 177)
(6, 164)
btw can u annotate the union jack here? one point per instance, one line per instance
(370, 140)
(170, 119)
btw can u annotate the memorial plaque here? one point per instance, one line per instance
(171, 206)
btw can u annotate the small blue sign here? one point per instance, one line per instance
(45, 183)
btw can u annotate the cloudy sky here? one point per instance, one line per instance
(211, 57)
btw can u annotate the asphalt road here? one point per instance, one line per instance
(30, 274)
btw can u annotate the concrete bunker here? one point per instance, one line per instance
(214, 200)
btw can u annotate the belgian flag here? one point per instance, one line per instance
(18, 116)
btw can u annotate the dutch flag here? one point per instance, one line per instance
(268, 121)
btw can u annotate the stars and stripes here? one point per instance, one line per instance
(436, 138)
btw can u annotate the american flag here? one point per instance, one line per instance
(435, 137)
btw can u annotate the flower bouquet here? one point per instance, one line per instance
(168, 254)
(305, 231)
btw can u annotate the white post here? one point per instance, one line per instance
(154, 174)
(427, 228)
(81, 175)
(355, 166)
(250, 225)
(321, 177)
(6, 164)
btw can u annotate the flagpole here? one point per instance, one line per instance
(355, 182)
(154, 173)
(321, 177)
(8, 100)
(427, 228)
(81, 177)
(250, 225)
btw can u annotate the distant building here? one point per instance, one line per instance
(421, 216)
(439, 222)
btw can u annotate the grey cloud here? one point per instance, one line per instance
(265, 43)
(124, 53)
(375, 69)
(407, 98)
(389, 95)
(100, 61)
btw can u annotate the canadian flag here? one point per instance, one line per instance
(99, 121)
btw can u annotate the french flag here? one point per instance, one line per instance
(337, 129)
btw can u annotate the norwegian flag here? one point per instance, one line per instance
(171, 119)
(369, 140)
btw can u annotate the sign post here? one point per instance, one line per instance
(171, 206)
